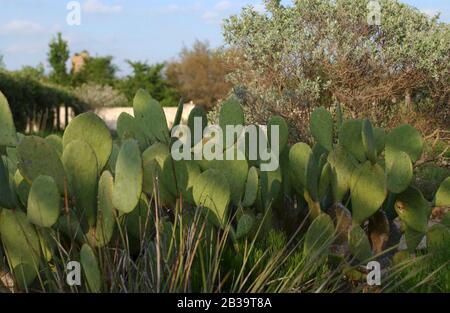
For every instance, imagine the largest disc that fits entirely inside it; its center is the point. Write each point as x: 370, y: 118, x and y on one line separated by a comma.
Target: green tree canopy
x: 57, y: 57
x: 151, y: 78
x: 96, y: 70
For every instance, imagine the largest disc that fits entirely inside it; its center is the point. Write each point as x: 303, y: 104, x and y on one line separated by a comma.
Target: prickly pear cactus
x: 368, y: 191
x: 322, y: 128
x: 43, y: 202
x: 91, y: 269
x: 91, y: 129
x: 21, y: 244
x: 80, y: 163
x: 37, y: 157
x: 8, y: 135
x: 211, y: 191
x: 150, y: 117
x: 129, y: 176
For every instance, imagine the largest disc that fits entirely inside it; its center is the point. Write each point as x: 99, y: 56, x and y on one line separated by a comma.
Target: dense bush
x: 34, y: 102
x: 316, y: 52
x: 100, y: 96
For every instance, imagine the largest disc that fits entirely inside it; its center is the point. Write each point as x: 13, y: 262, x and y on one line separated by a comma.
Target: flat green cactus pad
x: 359, y: 244
x: 43, y: 202
x: 400, y: 173
x: 368, y: 191
x: 350, y: 137
x: 413, y: 209
x: 211, y: 191
x: 80, y: 162
x: 21, y: 244
x: 129, y: 177
x: 37, y: 157
x: 91, y: 129
x: 403, y: 138
x: 322, y: 127
x: 8, y: 135
x: 104, y: 226
x: 319, y: 236
x: 251, y: 187
x: 151, y: 118
x: 442, y: 197
x: 91, y: 269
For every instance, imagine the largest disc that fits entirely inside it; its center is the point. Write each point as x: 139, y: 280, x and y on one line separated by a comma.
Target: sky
x: 145, y: 30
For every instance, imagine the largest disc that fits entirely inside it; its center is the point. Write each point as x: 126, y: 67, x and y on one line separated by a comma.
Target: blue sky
x: 152, y: 30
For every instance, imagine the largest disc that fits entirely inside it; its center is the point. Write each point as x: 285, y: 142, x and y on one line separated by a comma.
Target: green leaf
x: 298, y: 160
x: 413, y: 238
x: 438, y: 238
x: 7, y: 199
x: 37, y: 157
x: 8, y: 136
x: 442, y: 197
x: 283, y: 131
x: 350, y: 137
x: 151, y: 118
x: 251, y: 187
x: 129, y: 176
x: 368, y: 139
x: 80, y: 163
x: 198, y: 112
x: 43, y: 202
x: 245, y: 225
x: 322, y: 127
x: 211, y: 191
x: 104, y: 226
x: 403, y: 138
x: 90, y: 128
x: 359, y: 244
x: 128, y: 127
x: 342, y: 168
x: 91, y: 269
x: 319, y: 236
x: 231, y: 114
x: 21, y: 244
x: 368, y: 191
x: 413, y: 209
x: 400, y: 174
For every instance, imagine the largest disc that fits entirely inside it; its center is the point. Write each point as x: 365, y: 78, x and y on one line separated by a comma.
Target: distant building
x: 78, y: 61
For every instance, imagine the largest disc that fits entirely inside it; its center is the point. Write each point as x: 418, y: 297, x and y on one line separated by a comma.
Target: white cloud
x: 171, y: 8
x: 217, y: 11
x: 25, y: 48
x: 210, y: 15
x: 223, y: 6
x: 20, y: 27
x: 97, y: 6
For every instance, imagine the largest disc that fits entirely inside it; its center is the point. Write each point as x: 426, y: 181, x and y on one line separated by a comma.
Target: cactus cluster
x: 86, y: 185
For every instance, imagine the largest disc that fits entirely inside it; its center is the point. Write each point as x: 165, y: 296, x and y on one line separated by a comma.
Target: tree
x: 57, y: 57
x: 199, y: 74
x: 37, y: 73
x: 96, y: 70
x: 2, y: 63
x: 316, y: 52
x: 151, y: 78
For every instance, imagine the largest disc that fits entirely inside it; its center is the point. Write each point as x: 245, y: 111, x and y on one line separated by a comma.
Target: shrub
x: 99, y: 96
x: 34, y: 102
x: 316, y: 52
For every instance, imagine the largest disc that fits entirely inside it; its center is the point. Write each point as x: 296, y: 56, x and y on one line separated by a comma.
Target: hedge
x: 36, y: 103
